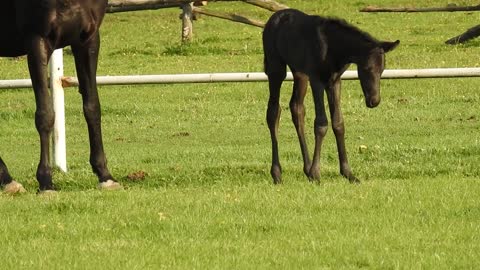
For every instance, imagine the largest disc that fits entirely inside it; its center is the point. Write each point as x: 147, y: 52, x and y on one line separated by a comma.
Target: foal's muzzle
x: 373, y: 101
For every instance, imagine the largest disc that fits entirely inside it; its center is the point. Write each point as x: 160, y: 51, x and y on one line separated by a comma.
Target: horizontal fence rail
x: 59, y: 153
x: 247, y: 77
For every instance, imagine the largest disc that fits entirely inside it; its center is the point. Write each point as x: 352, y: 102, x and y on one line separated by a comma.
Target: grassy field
x: 207, y: 201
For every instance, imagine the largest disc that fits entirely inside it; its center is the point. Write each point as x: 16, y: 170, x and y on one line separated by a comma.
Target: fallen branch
x: 267, y: 4
x: 231, y: 17
x: 450, y: 8
x: 156, y: 2
x: 136, y: 5
x: 127, y: 8
x: 469, y: 34
x: 115, y: 6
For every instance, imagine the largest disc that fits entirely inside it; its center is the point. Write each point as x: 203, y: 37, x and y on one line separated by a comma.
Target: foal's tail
x: 272, y: 59
x: 265, y: 64
x: 268, y: 38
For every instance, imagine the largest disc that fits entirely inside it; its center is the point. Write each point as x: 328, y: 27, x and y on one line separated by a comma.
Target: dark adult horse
x: 318, y: 50
x: 36, y: 28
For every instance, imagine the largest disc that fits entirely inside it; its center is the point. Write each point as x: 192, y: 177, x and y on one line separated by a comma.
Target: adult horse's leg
x: 39, y: 53
x: 334, y: 95
x: 275, y: 80
x: 86, y: 59
x: 6, y: 182
x: 5, y: 177
x: 320, y: 126
x: 300, y: 83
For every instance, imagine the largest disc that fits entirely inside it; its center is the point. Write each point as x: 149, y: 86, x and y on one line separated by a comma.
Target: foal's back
x: 62, y: 22
x: 291, y: 37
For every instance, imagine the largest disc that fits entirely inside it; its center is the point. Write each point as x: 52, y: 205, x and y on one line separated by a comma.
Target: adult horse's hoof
x: 14, y: 188
x: 110, y: 185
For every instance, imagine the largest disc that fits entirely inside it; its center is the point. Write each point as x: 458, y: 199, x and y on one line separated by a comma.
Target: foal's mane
x: 345, y: 27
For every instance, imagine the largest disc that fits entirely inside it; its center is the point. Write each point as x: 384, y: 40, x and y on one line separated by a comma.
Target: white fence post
x: 59, y: 139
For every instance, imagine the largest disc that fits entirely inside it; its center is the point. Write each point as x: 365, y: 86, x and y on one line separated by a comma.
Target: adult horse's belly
x: 11, y: 46
x: 11, y: 42
x: 61, y: 22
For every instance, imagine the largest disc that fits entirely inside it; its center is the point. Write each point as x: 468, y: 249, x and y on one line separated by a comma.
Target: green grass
x: 207, y: 201
x: 380, y: 224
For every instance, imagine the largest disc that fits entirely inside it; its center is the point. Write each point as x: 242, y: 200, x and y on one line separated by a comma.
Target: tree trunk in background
x: 187, y: 25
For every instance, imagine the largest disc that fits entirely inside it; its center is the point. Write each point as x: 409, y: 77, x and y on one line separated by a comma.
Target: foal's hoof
x: 47, y: 193
x: 314, y: 175
x: 352, y: 179
x: 14, y: 188
x: 110, y: 185
x: 355, y: 181
x: 276, y: 173
x: 347, y: 173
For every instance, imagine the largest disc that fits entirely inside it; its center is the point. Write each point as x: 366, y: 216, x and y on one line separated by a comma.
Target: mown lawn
x: 207, y: 200
x: 417, y: 223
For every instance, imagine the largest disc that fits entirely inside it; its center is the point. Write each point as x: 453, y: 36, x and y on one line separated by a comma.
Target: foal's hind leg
x: 320, y: 126
x: 86, y: 58
x: 334, y: 95
x: 39, y: 53
x: 297, y: 109
x: 273, y: 116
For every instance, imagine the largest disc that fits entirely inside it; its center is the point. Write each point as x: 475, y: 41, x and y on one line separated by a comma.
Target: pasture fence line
x: 58, y: 81
x: 69, y: 81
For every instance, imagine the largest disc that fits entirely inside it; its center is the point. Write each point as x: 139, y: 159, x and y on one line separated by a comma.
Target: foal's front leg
x: 334, y: 98
x: 320, y: 126
x: 86, y: 59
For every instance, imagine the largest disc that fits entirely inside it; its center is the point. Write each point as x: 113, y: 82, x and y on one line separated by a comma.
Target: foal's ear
x: 389, y: 46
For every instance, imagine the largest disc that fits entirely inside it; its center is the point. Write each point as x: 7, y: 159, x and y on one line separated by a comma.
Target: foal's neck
x: 347, y: 41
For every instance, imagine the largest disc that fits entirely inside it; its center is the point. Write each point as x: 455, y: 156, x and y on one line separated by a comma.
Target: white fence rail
x: 247, y: 77
x: 58, y: 81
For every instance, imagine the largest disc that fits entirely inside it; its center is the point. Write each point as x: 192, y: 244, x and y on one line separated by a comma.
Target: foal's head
x: 370, y: 67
